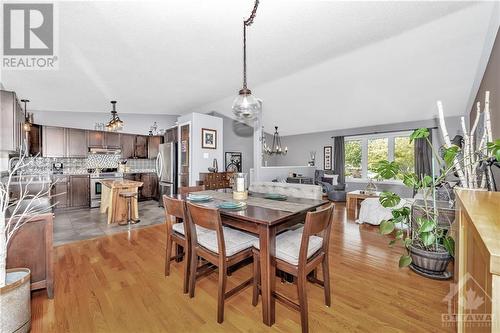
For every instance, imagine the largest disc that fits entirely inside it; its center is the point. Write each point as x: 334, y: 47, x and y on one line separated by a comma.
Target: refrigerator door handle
x: 158, y: 166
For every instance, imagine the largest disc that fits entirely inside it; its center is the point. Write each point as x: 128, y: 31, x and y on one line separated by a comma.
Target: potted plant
x: 426, y: 222
x: 15, y: 285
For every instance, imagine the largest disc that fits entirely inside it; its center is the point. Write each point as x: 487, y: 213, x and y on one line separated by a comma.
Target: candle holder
x: 240, y: 186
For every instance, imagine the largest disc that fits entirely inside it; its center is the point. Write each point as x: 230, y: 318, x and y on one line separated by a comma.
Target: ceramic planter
x: 15, y: 301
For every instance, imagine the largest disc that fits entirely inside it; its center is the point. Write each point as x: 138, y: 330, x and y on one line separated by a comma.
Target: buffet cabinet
x: 216, y: 180
x: 477, y: 263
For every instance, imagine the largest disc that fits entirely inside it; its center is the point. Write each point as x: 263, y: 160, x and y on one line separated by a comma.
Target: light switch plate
x: 205, y: 156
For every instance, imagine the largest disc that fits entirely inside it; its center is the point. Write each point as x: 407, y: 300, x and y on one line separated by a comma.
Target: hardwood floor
x: 117, y: 284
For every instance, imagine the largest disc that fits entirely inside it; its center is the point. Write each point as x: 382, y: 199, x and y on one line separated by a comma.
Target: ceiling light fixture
x: 246, y: 106
x: 276, y: 148
x: 115, y: 124
x: 27, y: 124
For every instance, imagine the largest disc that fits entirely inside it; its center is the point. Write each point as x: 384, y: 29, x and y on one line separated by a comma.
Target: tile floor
x: 75, y: 225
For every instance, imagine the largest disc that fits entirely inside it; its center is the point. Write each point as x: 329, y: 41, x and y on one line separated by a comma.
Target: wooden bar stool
x: 129, y: 195
x: 299, y: 252
x: 220, y: 246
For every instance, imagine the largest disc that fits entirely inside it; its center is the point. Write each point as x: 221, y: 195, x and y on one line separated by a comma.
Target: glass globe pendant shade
x: 246, y: 106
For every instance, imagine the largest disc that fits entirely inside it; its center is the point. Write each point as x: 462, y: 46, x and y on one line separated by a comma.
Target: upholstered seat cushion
x: 179, y: 228
x: 288, y: 245
x: 235, y: 240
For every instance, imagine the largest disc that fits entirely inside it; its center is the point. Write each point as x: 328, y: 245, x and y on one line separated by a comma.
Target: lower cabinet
x: 79, y: 191
x: 59, y: 192
x: 149, y: 189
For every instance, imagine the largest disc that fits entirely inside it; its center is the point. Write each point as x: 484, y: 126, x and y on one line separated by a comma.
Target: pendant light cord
x: 246, y: 23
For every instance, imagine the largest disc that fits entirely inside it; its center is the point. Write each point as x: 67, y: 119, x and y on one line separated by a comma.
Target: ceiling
x: 317, y: 65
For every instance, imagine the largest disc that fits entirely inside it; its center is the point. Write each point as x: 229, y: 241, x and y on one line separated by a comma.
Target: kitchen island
x: 114, y: 204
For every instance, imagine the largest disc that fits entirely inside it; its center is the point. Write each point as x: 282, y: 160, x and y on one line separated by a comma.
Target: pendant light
x: 115, y: 124
x: 27, y: 124
x: 246, y: 106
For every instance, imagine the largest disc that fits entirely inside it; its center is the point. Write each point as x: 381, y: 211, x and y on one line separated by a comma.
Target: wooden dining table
x: 263, y: 218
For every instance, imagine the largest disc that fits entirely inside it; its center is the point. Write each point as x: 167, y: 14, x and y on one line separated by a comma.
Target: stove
x: 96, y: 179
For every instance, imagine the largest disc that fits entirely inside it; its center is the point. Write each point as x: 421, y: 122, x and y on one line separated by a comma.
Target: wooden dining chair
x: 220, y: 246
x: 299, y: 252
x: 189, y: 189
x: 178, y: 231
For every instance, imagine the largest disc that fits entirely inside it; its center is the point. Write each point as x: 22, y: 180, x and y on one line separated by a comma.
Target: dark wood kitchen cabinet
x: 59, y: 192
x: 76, y: 142
x: 96, y: 139
x: 11, y: 121
x: 53, y: 141
x: 141, y: 146
x: 149, y: 189
x: 79, y: 191
x: 128, y: 145
x: 35, y: 140
x: 153, y: 146
x: 112, y: 140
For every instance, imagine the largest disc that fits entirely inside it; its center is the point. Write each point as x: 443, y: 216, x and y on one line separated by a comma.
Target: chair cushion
x: 235, y: 240
x: 179, y: 228
x: 288, y: 245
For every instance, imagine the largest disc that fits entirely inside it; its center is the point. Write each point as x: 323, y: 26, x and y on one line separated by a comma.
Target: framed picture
x: 327, y: 157
x: 208, y: 138
x: 232, y: 161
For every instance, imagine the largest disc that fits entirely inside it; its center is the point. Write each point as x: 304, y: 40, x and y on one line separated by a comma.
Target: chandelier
x: 246, y: 106
x: 115, y: 124
x: 276, y: 148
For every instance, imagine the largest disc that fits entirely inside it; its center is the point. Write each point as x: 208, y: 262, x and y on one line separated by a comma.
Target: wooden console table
x: 477, y: 262
x: 353, y: 199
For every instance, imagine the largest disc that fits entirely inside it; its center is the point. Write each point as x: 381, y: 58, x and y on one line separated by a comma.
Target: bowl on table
x: 275, y: 196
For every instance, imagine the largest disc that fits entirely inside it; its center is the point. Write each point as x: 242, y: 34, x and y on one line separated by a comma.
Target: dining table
x: 264, y: 218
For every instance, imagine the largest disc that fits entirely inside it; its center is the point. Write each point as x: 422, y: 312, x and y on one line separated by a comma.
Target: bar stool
x: 128, y: 197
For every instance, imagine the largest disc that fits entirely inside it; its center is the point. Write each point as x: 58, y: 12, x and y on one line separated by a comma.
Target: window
x: 363, y: 152
x: 353, y: 159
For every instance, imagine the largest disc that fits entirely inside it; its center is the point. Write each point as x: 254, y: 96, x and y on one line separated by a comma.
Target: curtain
x: 339, y: 158
x: 423, y: 157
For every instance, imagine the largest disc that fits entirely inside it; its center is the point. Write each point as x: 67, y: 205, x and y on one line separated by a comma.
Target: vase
x: 15, y: 301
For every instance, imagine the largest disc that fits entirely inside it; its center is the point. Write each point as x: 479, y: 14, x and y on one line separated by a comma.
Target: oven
x: 96, y: 186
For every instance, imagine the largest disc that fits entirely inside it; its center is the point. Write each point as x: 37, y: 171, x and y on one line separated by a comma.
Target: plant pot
x: 430, y: 264
x: 15, y: 301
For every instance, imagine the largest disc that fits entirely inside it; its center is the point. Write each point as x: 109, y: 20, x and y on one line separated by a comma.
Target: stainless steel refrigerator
x: 166, y: 169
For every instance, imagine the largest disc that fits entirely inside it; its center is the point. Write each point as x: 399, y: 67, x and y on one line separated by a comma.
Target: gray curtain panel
x: 339, y: 158
x: 423, y: 157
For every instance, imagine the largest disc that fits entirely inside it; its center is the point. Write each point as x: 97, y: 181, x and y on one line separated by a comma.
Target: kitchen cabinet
x: 53, y: 141
x: 111, y: 140
x: 59, y: 192
x: 127, y: 145
x: 149, y: 189
x: 153, y: 146
x: 79, y: 191
x: 76, y: 142
x: 35, y: 140
x: 11, y: 122
x: 171, y: 135
x: 141, y: 146
x: 96, y: 139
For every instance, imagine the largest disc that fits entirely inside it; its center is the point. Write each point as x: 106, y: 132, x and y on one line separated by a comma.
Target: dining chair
x: 299, y: 253
x: 177, y: 232
x: 189, y: 189
x: 221, y: 246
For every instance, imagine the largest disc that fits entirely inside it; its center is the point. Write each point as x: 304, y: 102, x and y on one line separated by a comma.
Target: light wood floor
x: 116, y: 284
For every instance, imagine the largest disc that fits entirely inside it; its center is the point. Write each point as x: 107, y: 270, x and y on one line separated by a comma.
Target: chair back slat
x: 208, y: 218
x: 317, y: 223
x: 189, y: 189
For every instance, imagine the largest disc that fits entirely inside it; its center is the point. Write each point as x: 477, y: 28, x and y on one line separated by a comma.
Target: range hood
x: 105, y: 151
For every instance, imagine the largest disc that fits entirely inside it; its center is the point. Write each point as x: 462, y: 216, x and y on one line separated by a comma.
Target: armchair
x: 334, y: 190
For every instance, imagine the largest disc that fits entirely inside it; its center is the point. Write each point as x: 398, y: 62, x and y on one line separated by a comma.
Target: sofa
x: 289, y: 189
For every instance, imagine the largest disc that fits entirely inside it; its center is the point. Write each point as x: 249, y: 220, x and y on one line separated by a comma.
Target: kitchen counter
x: 114, y: 204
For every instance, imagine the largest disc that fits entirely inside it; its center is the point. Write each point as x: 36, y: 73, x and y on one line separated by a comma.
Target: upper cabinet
x: 96, y: 139
x: 11, y: 122
x: 153, y: 146
x: 141, y: 146
x: 53, y: 141
x: 99, y: 139
x: 128, y: 145
x: 112, y: 140
x: 76, y: 142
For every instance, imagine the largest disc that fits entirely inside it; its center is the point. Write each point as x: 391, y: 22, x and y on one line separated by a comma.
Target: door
x: 77, y: 142
x: 112, y: 140
x: 127, y: 145
x: 79, y: 191
x: 96, y: 139
x: 153, y: 145
x: 53, y: 141
x: 141, y: 146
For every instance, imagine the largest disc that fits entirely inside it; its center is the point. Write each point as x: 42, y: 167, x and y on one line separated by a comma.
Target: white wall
x: 134, y: 123
x: 268, y: 174
x: 201, y: 159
